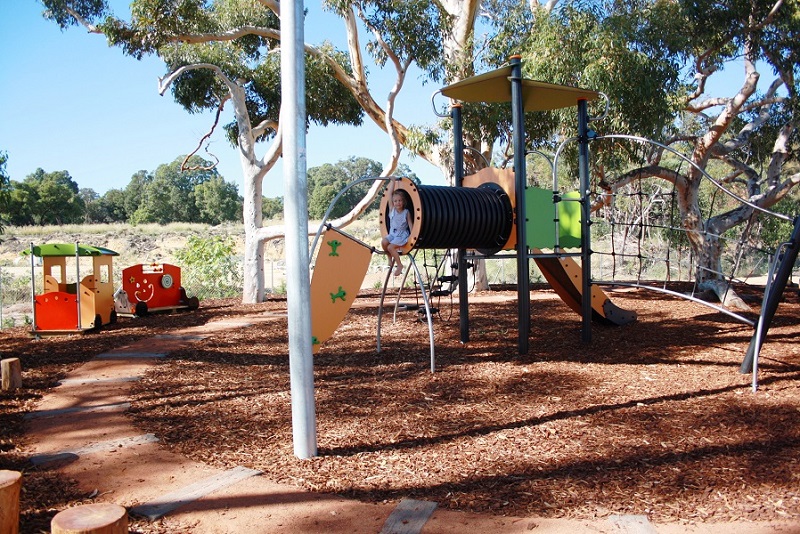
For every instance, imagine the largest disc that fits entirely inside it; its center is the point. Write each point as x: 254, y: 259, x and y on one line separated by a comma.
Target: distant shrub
x: 209, y: 267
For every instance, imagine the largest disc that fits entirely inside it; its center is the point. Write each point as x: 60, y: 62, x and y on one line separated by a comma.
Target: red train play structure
x: 89, y: 302
x: 152, y: 287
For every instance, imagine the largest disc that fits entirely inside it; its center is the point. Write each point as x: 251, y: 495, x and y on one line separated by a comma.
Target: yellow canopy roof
x: 494, y: 86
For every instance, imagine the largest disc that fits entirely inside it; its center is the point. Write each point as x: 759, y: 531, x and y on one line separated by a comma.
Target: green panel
x: 569, y: 221
x: 540, y: 213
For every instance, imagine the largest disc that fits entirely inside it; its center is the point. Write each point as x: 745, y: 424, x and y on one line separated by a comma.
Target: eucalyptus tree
x: 217, y: 201
x: 215, y: 53
x: 113, y: 202
x: 222, y: 51
x: 170, y: 195
x: 45, y: 198
x: 656, y: 61
x: 326, y: 181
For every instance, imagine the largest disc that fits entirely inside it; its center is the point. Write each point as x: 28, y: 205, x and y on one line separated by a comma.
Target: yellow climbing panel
x: 339, y: 272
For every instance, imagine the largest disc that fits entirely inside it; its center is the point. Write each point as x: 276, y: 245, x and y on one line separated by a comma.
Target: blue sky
x: 70, y: 102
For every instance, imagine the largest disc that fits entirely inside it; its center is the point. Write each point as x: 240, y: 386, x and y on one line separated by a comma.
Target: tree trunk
x: 253, y: 289
x: 481, y: 276
x: 10, y: 485
x: 11, y: 372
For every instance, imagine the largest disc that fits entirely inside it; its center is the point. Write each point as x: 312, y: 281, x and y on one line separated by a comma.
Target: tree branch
x: 91, y: 28
x: 184, y: 166
x: 272, y: 5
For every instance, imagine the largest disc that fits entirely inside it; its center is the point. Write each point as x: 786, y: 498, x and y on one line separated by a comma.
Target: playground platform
x: 81, y: 431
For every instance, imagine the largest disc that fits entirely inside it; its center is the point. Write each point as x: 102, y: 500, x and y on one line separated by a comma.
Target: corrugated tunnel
x: 480, y: 218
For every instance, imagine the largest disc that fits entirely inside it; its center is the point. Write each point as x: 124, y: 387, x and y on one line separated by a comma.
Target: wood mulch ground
x: 651, y: 418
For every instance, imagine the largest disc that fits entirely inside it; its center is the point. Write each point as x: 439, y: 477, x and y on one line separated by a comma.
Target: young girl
x: 399, y: 227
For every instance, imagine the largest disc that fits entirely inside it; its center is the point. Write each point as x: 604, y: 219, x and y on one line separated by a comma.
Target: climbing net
x: 637, y: 232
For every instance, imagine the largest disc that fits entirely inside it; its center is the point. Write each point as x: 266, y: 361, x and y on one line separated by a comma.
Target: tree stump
x: 10, y: 484
x: 11, y: 372
x: 100, y: 518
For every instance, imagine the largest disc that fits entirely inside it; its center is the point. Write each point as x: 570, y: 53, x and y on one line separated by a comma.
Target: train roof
x: 68, y: 249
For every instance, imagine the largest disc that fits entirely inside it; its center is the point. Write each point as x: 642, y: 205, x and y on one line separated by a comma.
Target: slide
x: 564, y: 276
x: 340, y: 269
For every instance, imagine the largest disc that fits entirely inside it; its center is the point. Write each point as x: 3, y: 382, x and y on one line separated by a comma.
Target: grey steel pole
x: 458, y: 175
x: 298, y: 284
x: 586, y: 245
x: 523, y: 277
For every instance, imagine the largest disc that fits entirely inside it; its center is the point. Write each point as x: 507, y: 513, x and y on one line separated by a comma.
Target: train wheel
x: 141, y: 309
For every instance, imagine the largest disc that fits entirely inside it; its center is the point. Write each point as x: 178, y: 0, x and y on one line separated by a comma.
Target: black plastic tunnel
x: 479, y: 218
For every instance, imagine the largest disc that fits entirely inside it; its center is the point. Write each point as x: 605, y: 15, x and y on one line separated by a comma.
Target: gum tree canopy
x: 657, y: 61
x: 220, y: 51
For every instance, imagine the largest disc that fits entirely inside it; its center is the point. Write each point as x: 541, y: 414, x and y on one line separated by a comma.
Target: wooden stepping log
x: 104, y: 446
x: 130, y: 355
x: 97, y: 518
x: 408, y: 517
x: 85, y: 381
x: 162, y: 506
x: 122, y: 406
x: 10, y: 485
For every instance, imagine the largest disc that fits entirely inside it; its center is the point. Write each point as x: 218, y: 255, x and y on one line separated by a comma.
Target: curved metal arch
x: 486, y: 161
x: 528, y: 153
x: 605, y: 113
x: 336, y: 199
x: 726, y: 311
x: 435, y: 111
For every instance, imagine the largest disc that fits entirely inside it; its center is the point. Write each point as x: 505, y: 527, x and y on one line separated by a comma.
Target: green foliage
x: 132, y: 194
x: 209, y: 267
x: 326, y: 181
x: 113, y: 206
x: 774, y: 231
x: 45, y: 198
x: 198, y: 194
x: 217, y: 201
x: 272, y: 208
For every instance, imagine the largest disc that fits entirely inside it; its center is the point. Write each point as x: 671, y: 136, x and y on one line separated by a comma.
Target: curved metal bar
x: 540, y: 153
x: 605, y: 113
x: 529, y: 152
x: 435, y: 112
x: 555, y: 159
x: 380, y: 306
x: 425, y: 300
x: 726, y: 311
x: 702, y: 171
x: 486, y: 161
x: 336, y: 199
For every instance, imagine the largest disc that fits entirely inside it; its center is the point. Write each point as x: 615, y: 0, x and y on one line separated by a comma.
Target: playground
x: 651, y: 418
x: 582, y: 399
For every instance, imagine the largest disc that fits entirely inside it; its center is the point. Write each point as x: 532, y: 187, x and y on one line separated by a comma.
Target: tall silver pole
x: 298, y: 284
x: 33, y: 290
